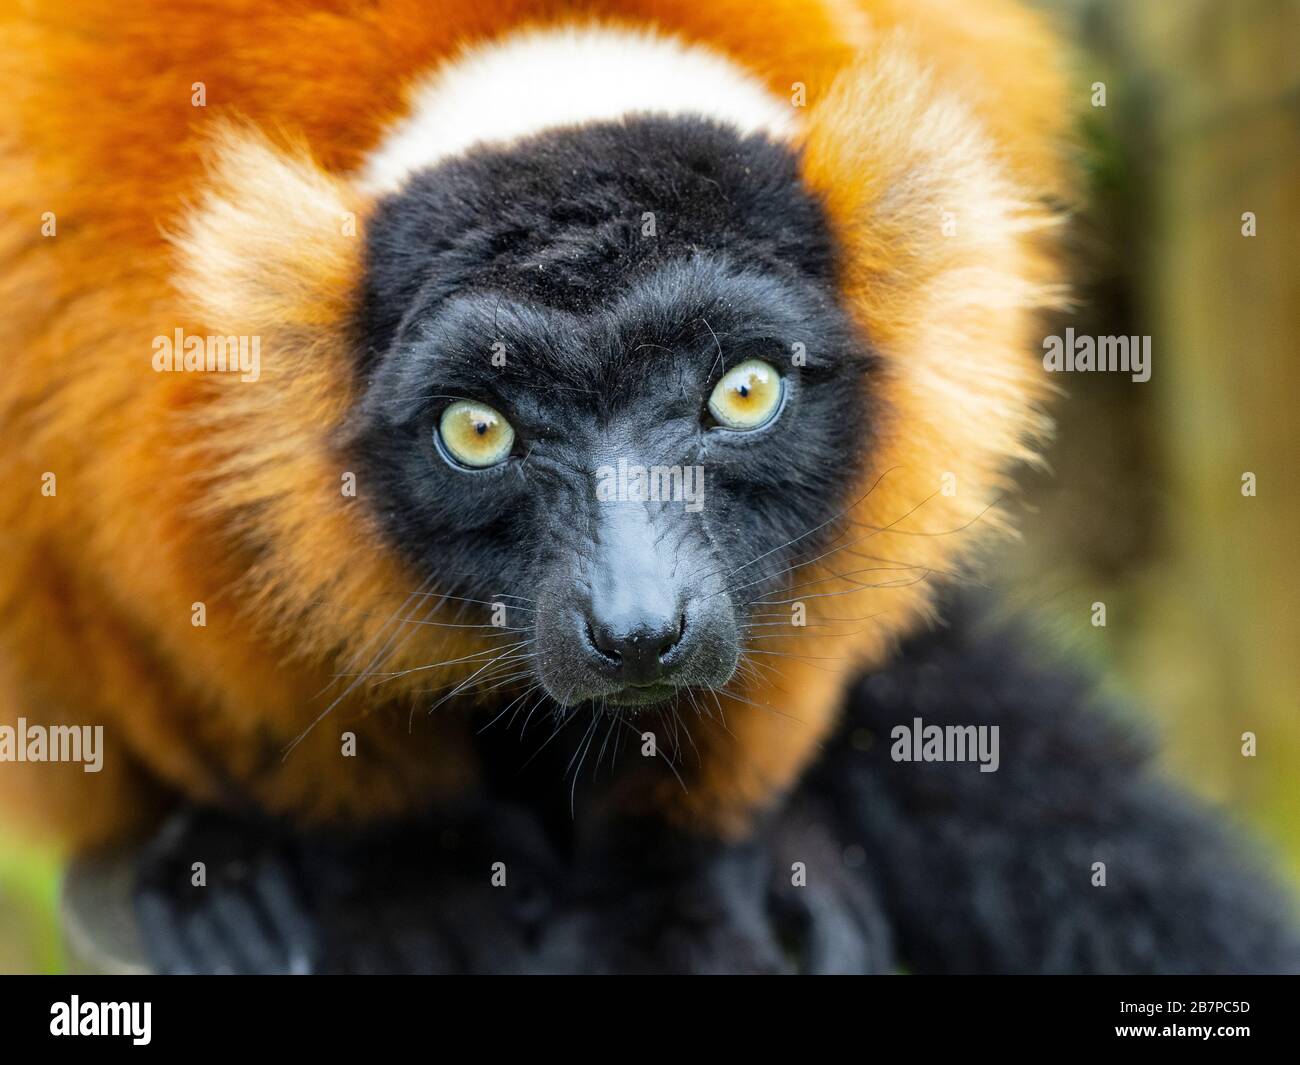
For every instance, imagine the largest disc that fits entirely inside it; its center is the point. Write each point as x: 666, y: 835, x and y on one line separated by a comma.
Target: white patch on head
x: 546, y: 78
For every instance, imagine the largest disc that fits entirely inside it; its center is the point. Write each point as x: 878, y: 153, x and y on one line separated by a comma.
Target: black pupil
x: 480, y: 428
x: 744, y: 391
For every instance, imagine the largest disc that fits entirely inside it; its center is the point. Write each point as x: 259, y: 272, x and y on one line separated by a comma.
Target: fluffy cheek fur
x: 273, y: 250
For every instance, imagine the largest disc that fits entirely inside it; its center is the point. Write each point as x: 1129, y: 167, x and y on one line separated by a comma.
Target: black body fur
x: 992, y: 872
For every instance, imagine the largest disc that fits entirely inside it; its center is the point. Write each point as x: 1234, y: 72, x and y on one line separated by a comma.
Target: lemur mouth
x: 638, y: 695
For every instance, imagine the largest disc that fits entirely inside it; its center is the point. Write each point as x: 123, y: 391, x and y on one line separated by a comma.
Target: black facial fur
x: 609, y: 339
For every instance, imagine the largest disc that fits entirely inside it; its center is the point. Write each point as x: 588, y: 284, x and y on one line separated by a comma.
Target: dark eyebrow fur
x: 705, y: 309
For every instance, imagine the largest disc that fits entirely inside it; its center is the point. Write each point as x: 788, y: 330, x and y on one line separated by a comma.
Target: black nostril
x: 605, y: 644
x: 672, y: 637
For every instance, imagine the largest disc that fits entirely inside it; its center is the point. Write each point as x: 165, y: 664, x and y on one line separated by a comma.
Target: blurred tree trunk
x: 1226, y: 315
x: 1203, y: 109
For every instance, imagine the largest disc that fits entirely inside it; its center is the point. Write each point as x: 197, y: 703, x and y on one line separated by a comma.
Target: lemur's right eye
x: 475, y: 435
x: 748, y: 397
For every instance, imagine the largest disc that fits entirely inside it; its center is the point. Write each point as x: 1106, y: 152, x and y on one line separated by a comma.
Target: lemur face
x: 610, y: 386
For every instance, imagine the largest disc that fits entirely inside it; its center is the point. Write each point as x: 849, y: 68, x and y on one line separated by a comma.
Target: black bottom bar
x: 339, y: 1014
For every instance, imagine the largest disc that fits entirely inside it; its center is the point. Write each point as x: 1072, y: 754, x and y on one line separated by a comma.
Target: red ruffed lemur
x: 492, y: 470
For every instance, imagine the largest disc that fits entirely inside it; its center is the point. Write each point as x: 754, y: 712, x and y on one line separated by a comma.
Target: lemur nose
x: 637, y: 647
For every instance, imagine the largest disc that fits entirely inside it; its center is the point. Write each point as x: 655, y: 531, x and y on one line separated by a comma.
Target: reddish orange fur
x: 176, y: 489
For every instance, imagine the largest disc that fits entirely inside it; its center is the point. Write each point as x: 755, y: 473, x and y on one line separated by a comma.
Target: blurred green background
x: 1142, y: 508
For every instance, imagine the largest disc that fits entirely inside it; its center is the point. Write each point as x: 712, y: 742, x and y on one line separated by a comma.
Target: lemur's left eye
x: 748, y: 396
x: 475, y: 435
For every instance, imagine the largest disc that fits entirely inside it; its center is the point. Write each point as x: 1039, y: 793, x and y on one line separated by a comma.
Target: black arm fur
x: 991, y: 872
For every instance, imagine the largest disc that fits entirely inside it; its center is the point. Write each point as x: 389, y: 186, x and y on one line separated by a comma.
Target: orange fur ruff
x: 237, y: 218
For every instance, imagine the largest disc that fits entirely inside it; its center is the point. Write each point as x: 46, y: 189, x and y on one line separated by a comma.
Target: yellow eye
x: 475, y: 434
x: 748, y: 396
